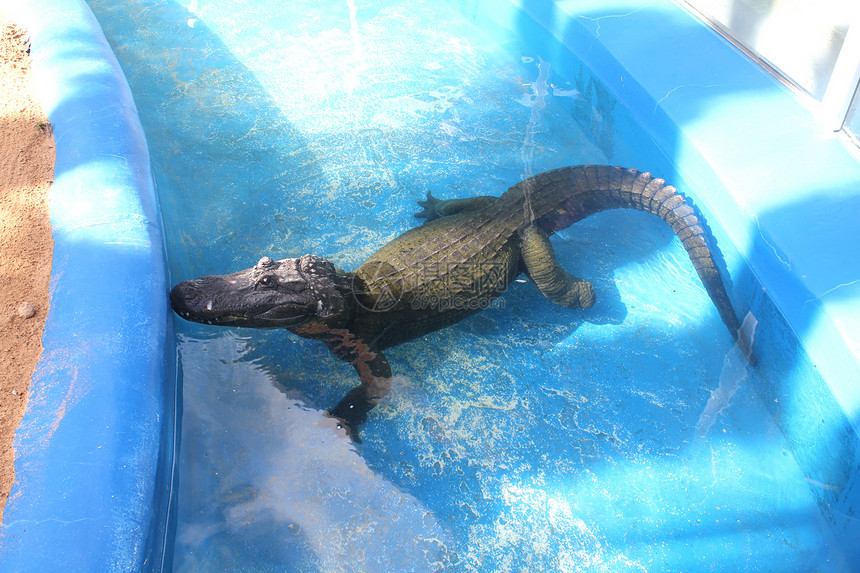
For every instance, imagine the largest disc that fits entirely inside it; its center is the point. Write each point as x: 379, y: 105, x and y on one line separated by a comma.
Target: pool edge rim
x: 87, y: 491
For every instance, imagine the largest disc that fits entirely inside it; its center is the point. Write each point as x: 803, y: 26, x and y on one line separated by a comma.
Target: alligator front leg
x: 554, y: 282
x: 375, y: 374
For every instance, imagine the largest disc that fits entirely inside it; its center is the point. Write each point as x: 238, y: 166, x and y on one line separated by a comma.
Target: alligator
x: 456, y: 263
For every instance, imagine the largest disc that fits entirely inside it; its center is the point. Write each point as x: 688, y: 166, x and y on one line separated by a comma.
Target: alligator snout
x: 185, y: 297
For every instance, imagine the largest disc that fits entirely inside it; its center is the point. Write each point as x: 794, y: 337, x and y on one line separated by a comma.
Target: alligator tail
x: 564, y: 196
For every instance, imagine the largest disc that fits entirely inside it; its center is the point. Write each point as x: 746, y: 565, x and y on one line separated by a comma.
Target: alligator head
x: 271, y: 294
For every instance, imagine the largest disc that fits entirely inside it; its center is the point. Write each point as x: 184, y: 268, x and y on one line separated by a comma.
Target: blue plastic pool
x: 526, y: 438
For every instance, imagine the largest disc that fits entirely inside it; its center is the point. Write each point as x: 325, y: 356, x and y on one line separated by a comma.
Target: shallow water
x: 529, y: 437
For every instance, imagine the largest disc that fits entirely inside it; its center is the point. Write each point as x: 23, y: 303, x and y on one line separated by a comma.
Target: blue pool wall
x: 93, y: 450
x: 94, y: 465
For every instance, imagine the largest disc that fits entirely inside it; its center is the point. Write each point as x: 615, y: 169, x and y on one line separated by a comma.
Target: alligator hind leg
x: 554, y: 282
x: 437, y: 208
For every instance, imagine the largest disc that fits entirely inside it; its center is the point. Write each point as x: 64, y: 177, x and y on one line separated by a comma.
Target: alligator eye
x: 267, y: 281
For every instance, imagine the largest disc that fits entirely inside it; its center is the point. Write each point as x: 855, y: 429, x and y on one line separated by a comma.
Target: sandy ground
x: 26, y: 171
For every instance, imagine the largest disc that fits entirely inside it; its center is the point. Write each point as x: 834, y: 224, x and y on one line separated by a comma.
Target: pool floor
x: 528, y: 437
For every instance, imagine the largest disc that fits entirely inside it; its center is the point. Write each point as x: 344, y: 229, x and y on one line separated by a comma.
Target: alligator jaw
x: 189, y: 301
x: 223, y: 320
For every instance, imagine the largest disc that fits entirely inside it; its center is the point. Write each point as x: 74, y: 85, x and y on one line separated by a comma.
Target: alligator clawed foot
x: 429, y: 208
x: 580, y: 295
x: 351, y: 412
x: 350, y: 429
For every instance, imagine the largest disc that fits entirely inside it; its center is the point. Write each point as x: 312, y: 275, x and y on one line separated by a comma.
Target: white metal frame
x: 844, y: 80
x: 832, y: 110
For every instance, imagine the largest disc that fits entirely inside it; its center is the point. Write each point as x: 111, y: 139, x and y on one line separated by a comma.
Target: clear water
x: 526, y: 438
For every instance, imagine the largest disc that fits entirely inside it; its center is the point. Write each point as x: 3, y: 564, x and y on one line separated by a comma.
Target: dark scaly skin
x: 463, y: 257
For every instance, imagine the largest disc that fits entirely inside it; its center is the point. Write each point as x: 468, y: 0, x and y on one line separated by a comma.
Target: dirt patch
x: 26, y: 172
